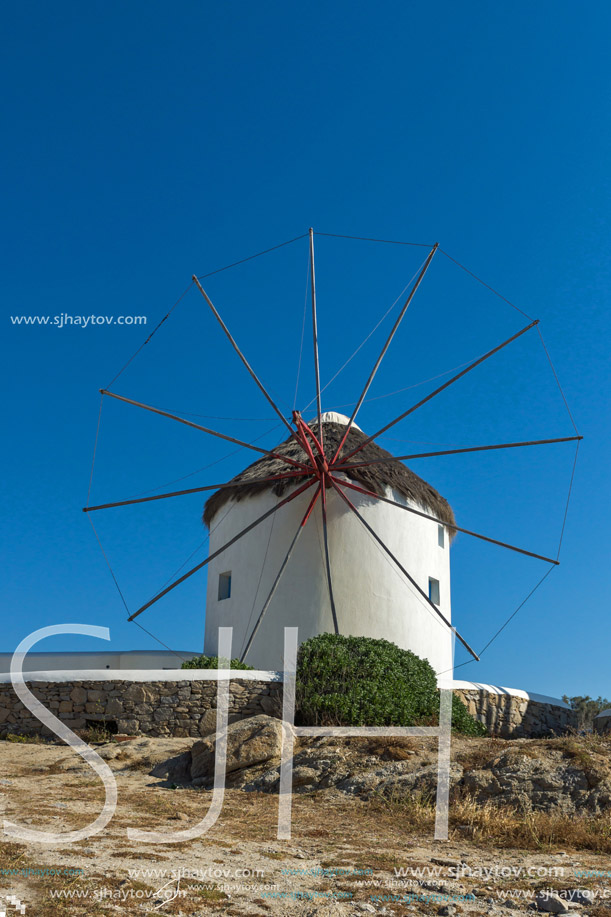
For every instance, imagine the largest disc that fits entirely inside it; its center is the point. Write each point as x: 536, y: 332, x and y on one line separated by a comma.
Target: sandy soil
x: 345, y: 856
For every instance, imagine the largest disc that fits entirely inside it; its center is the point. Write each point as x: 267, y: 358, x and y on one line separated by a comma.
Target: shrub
x: 23, y: 738
x: 462, y: 721
x: 359, y: 681
x: 212, y: 662
x: 97, y: 734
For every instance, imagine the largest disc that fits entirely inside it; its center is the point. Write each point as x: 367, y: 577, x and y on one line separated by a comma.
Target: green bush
x: 462, y: 721
x: 212, y: 662
x: 359, y: 681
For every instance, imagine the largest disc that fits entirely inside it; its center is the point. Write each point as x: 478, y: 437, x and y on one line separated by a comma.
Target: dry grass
x: 95, y: 735
x: 396, y: 819
x: 391, y: 748
x: 89, y: 902
x: 493, y: 826
x: 328, y: 827
x: 11, y: 854
x: 482, y: 754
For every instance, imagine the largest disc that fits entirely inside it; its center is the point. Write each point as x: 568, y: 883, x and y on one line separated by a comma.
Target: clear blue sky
x: 148, y: 141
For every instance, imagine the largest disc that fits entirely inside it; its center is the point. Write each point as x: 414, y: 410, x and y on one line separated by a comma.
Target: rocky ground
x: 530, y: 827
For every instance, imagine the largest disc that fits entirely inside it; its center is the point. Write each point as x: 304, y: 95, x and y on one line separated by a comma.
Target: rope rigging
x: 545, y: 575
x: 307, y: 470
x: 362, y: 344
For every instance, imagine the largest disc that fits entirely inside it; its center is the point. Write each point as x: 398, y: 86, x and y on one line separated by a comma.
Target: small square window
x: 225, y: 585
x: 434, y: 590
x: 441, y: 536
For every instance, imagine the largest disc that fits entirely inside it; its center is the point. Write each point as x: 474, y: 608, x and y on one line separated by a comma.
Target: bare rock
x: 578, y: 896
x: 422, y: 781
x: 207, y: 723
x: 305, y: 776
x: 249, y: 742
x: 546, y: 783
x: 551, y: 903
x: 272, y: 705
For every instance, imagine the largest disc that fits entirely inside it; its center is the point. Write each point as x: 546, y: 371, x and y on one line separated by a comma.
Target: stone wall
x: 516, y: 715
x: 186, y: 706
x: 602, y: 722
x: 154, y: 708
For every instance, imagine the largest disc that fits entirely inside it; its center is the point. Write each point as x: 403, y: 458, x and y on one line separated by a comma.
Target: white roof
x: 334, y: 417
x: 495, y: 689
x: 145, y: 675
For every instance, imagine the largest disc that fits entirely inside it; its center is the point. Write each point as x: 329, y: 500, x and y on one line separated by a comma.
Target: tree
x: 587, y: 708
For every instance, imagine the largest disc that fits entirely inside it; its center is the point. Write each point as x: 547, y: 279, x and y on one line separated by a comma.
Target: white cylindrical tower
x: 372, y: 597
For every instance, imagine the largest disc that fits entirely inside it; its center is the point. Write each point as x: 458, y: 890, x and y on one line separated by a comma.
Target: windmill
x: 335, y: 498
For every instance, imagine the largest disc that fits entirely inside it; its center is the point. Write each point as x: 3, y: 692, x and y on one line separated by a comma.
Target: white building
x: 372, y: 597
x: 128, y: 660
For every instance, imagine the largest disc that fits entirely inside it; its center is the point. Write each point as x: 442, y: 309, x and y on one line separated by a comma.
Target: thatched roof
x: 373, y: 477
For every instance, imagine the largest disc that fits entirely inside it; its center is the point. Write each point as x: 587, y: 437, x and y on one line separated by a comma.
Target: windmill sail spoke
x: 241, y: 356
x: 307, y: 431
x: 315, y: 333
x: 327, y: 558
x: 197, y: 426
x: 441, y: 388
x: 301, y: 435
x: 283, y: 566
x: 416, y: 455
x: 453, y: 527
x: 196, y: 490
x: 210, y: 557
x: 385, y: 348
x: 400, y: 566
x: 314, y: 458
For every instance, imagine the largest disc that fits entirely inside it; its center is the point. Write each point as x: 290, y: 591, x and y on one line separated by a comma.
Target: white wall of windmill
x: 372, y: 596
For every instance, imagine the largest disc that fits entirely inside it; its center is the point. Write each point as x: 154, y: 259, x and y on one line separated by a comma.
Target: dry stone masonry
x: 515, y: 715
x: 186, y: 706
x: 156, y: 708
